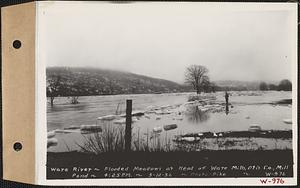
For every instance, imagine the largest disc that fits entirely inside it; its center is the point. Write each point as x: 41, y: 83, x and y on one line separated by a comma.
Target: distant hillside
x: 94, y: 81
x: 253, y: 85
x: 238, y: 85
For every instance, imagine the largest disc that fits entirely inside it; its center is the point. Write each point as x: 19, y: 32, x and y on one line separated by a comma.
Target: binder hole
x: 17, y: 146
x: 17, y: 44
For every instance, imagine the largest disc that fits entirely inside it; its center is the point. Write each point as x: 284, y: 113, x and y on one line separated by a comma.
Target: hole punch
x: 17, y: 44
x: 17, y: 146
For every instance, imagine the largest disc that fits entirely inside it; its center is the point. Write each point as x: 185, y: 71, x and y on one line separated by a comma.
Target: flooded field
x: 246, y: 109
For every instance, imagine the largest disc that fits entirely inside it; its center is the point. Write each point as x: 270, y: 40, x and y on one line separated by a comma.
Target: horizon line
x: 124, y: 71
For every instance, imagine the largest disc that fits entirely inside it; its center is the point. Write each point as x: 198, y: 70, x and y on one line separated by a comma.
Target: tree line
x: 284, y: 85
x: 197, y: 77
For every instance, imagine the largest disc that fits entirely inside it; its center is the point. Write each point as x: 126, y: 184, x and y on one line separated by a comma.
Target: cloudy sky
x: 235, y: 42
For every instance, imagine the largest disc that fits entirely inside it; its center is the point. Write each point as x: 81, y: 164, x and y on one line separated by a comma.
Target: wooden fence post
x: 128, y: 125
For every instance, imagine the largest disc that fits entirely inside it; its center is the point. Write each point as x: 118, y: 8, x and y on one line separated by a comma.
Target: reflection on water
x: 227, y: 109
x: 195, y: 115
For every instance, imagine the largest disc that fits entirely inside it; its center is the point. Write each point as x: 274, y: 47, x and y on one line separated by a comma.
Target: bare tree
x: 53, y: 88
x: 196, y: 75
x: 74, y: 91
x: 205, y: 84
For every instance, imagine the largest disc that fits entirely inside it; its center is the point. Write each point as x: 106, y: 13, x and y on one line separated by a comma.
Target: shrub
x: 111, y: 139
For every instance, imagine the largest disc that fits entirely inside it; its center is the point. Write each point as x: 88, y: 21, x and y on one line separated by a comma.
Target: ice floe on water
x: 63, y: 131
x: 170, y: 127
x: 157, y: 129
x: 51, y: 134
x: 91, y: 128
x: 52, y: 142
x: 72, y: 127
x: 108, y: 117
x: 158, y: 117
x: 287, y: 121
x: 123, y: 120
x: 254, y: 127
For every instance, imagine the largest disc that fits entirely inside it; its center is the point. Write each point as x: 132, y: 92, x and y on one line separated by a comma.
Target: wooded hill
x: 65, y: 81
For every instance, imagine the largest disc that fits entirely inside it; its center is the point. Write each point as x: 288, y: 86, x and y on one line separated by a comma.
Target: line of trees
x: 197, y: 77
x: 284, y: 85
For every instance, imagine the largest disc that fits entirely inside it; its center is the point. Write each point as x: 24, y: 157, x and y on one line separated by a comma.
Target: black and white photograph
x: 169, y: 90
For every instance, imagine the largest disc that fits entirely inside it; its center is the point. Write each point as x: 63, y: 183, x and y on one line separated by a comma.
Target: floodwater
x: 247, y: 108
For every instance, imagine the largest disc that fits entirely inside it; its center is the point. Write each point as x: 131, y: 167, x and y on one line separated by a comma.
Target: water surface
x: 246, y: 109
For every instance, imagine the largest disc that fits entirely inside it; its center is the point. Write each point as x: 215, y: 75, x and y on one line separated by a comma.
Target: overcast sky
x: 161, y: 39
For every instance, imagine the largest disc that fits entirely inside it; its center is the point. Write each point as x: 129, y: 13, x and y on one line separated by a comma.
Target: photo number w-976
x: 272, y: 181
